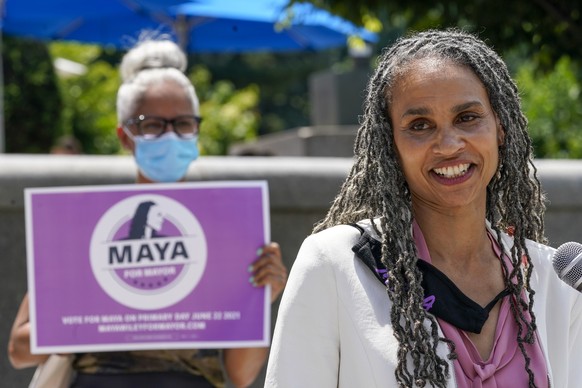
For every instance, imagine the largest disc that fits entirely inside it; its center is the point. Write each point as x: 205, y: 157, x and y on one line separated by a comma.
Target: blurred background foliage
x: 229, y: 114
x: 247, y: 95
x: 551, y: 101
x: 242, y: 95
x: 88, y: 112
x: 32, y: 102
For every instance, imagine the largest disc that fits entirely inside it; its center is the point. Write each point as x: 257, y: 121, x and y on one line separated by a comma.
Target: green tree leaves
x: 229, y: 115
x: 551, y: 101
x: 89, y: 99
x: 32, y: 102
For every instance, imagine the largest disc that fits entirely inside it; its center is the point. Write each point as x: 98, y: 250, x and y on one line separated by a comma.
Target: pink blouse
x: 505, y: 366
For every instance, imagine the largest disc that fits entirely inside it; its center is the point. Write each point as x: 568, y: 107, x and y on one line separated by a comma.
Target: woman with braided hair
x: 429, y: 269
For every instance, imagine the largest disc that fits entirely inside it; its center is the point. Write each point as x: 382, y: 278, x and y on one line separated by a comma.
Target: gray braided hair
x: 376, y: 188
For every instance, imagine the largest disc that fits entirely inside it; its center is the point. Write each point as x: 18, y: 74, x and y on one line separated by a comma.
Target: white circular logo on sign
x: 148, y: 252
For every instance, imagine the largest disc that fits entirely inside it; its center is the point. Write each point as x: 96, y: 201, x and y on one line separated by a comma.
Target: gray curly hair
x: 376, y: 188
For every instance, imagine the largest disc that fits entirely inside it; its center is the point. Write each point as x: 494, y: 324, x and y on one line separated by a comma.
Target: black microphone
x: 567, y: 263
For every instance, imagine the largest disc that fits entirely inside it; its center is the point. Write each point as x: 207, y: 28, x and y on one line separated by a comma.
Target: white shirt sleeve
x: 305, y: 349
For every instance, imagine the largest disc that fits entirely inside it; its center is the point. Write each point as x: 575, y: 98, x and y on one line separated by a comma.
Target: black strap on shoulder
x: 369, y: 250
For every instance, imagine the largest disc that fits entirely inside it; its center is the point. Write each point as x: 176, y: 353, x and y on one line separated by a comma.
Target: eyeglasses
x: 151, y: 127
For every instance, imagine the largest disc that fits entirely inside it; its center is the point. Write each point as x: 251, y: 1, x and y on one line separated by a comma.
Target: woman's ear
x: 125, y: 141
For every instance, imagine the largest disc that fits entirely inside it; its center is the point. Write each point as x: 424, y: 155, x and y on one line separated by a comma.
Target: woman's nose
x: 449, y: 140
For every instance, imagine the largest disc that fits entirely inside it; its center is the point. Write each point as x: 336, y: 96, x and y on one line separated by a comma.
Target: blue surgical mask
x: 165, y: 158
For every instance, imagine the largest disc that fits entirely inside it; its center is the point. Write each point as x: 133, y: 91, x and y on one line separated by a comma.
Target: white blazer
x: 333, y: 327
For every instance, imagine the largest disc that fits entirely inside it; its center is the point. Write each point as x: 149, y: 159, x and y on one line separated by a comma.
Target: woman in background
x: 159, y: 116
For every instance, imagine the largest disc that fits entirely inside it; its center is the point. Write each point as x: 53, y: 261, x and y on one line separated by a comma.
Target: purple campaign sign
x: 161, y: 266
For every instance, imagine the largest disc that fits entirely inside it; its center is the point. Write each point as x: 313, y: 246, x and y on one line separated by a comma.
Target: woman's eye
x: 467, y: 117
x: 151, y: 126
x: 418, y: 126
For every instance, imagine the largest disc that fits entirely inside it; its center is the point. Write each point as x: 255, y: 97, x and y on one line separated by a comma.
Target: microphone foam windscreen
x: 568, y: 255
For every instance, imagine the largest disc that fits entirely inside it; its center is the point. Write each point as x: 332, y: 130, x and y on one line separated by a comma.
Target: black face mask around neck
x: 442, y: 297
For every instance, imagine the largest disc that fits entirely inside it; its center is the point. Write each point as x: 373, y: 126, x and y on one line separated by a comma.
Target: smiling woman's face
x: 446, y: 134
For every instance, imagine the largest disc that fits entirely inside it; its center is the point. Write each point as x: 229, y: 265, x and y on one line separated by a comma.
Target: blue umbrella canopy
x: 198, y: 25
